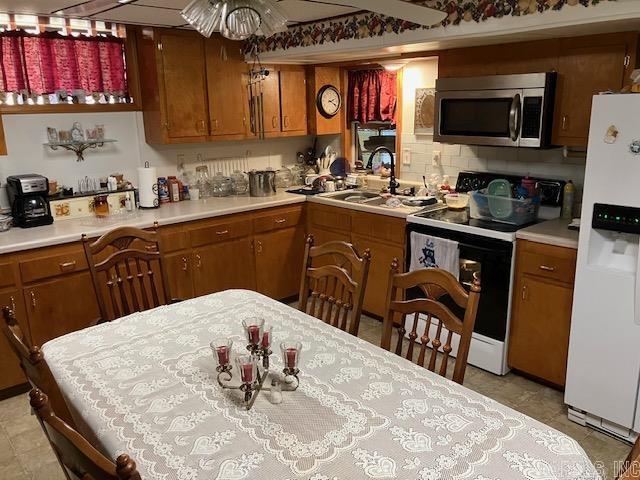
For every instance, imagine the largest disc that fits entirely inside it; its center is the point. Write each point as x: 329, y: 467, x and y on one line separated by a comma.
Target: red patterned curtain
x: 48, y: 62
x: 372, y: 96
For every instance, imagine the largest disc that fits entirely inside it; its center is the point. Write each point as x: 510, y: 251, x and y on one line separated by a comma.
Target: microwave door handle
x: 515, y: 117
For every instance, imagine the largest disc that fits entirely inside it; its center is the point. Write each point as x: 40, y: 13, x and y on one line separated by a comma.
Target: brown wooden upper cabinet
x: 183, y: 70
x: 195, y: 90
x: 293, y: 107
x: 589, y: 65
x: 227, y: 90
x: 585, y: 66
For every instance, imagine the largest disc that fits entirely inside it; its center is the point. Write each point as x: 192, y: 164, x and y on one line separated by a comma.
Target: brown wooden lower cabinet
x: 279, y: 256
x: 179, y: 268
x: 383, y: 235
x: 10, y: 371
x: 382, y: 254
x: 222, y: 266
x: 59, y: 306
x: 541, y: 311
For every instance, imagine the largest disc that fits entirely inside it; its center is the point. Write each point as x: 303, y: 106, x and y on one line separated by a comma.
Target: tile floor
x: 26, y: 455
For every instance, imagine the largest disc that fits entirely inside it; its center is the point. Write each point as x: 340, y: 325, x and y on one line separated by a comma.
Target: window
x: 370, y: 136
x: 52, y: 60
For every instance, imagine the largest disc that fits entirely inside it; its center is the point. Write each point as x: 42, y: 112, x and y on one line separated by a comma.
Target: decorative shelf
x: 78, y: 147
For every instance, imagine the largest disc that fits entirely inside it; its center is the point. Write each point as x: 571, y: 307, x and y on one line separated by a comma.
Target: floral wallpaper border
x: 367, y: 25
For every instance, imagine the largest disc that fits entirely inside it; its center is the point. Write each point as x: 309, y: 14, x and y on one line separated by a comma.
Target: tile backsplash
x: 456, y: 158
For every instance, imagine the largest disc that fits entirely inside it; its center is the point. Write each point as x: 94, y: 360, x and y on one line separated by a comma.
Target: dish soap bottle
x: 568, y: 199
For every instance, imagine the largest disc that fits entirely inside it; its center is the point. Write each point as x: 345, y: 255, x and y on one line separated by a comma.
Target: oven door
x: 490, y: 260
x: 481, y: 117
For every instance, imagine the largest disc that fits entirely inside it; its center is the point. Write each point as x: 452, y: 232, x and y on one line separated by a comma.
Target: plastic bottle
x: 568, y: 199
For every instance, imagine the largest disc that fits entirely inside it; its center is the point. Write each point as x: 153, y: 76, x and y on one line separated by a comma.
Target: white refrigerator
x: 603, y: 373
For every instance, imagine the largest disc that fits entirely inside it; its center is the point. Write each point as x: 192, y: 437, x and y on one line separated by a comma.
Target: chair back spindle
x: 441, y: 324
x: 334, y: 278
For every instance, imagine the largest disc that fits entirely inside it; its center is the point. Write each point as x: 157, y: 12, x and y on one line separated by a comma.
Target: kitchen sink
x: 357, y: 197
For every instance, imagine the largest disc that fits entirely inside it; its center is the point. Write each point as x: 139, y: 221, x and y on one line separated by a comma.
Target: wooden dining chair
x: 125, y: 264
x: 434, y: 284
x: 334, y: 278
x: 78, y: 457
x: 33, y: 364
x: 630, y: 469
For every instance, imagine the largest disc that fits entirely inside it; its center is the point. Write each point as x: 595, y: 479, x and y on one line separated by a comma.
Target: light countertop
x: 327, y: 199
x: 551, y: 232
x: 65, y: 231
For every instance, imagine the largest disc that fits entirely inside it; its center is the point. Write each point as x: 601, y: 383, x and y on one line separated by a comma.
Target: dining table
x: 147, y: 385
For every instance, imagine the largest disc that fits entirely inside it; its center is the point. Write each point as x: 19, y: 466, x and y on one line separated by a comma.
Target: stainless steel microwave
x: 500, y: 110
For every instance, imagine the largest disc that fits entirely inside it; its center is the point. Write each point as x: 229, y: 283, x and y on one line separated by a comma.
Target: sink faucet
x: 393, y: 184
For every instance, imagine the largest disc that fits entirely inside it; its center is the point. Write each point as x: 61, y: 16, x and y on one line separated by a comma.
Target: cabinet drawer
x: 556, y: 263
x: 379, y: 227
x: 33, y: 269
x: 7, y: 277
x: 220, y: 232
x: 278, y: 220
x: 334, y: 218
x: 174, y: 240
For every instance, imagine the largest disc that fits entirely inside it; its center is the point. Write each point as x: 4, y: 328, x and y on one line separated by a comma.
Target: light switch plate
x: 406, y: 156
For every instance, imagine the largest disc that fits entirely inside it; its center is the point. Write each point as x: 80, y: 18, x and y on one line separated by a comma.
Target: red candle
x: 292, y: 356
x: 266, y: 339
x: 254, y: 334
x: 223, y: 355
x: 247, y: 373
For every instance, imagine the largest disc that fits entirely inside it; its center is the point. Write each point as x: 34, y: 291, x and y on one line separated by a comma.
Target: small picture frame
x: 52, y: 135
x: 77, y: 133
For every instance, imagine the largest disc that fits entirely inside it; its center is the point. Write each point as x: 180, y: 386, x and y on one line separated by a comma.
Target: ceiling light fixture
x: 235, y: 19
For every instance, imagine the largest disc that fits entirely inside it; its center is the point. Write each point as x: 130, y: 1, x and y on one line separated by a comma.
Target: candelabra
x: 252, y: 378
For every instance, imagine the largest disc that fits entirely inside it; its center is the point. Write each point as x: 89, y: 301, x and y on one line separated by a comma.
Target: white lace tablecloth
x: 146, y: 385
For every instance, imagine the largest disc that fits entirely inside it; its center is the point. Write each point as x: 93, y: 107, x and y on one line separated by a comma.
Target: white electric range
x: 487, y: 250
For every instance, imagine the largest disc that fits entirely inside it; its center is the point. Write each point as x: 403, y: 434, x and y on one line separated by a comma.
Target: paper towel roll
x: 148, y: 187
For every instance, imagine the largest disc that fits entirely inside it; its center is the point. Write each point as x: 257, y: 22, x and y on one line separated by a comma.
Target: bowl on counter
x: 456, y: 201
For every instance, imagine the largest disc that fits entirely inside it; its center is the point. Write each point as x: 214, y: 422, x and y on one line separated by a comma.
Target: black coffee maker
x: 29, y: 199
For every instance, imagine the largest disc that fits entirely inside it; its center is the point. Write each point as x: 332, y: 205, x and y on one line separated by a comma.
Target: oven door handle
x: 515, y: 117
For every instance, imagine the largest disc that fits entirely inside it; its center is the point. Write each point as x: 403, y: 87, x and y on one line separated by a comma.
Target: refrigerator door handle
x: 636, y: 293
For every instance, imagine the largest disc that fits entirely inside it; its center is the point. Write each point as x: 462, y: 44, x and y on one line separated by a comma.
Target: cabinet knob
x: 547, y: 268
x: 185, y: 264
x: 33, y: 299
x: 198, y: 261
x: 286, y: 121
x: 222, y: 232
x: 281, y: 220
x: 13, y: 304
x: 565, y: 120
x: 274, y: 121
x: 259, y: 246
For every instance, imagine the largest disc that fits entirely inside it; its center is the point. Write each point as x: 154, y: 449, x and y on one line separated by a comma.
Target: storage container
x: 503, y: 209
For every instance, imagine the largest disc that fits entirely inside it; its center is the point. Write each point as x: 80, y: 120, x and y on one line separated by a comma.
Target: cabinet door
x: 279, y: 257
x: 223, y: 266
x: 226, y: 81
x: 293, y: 94
x: 271, y: 104
x: 382, y: 254
x: 324, y: 235
x: 179, y: 268
x: 583, y: 72
x: 10, y: 371
x: 540, y: 324
x: 60, y: 306
x: 185, y: 87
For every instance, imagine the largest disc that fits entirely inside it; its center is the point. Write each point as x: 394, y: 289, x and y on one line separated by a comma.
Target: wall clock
x: 328, y: 101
